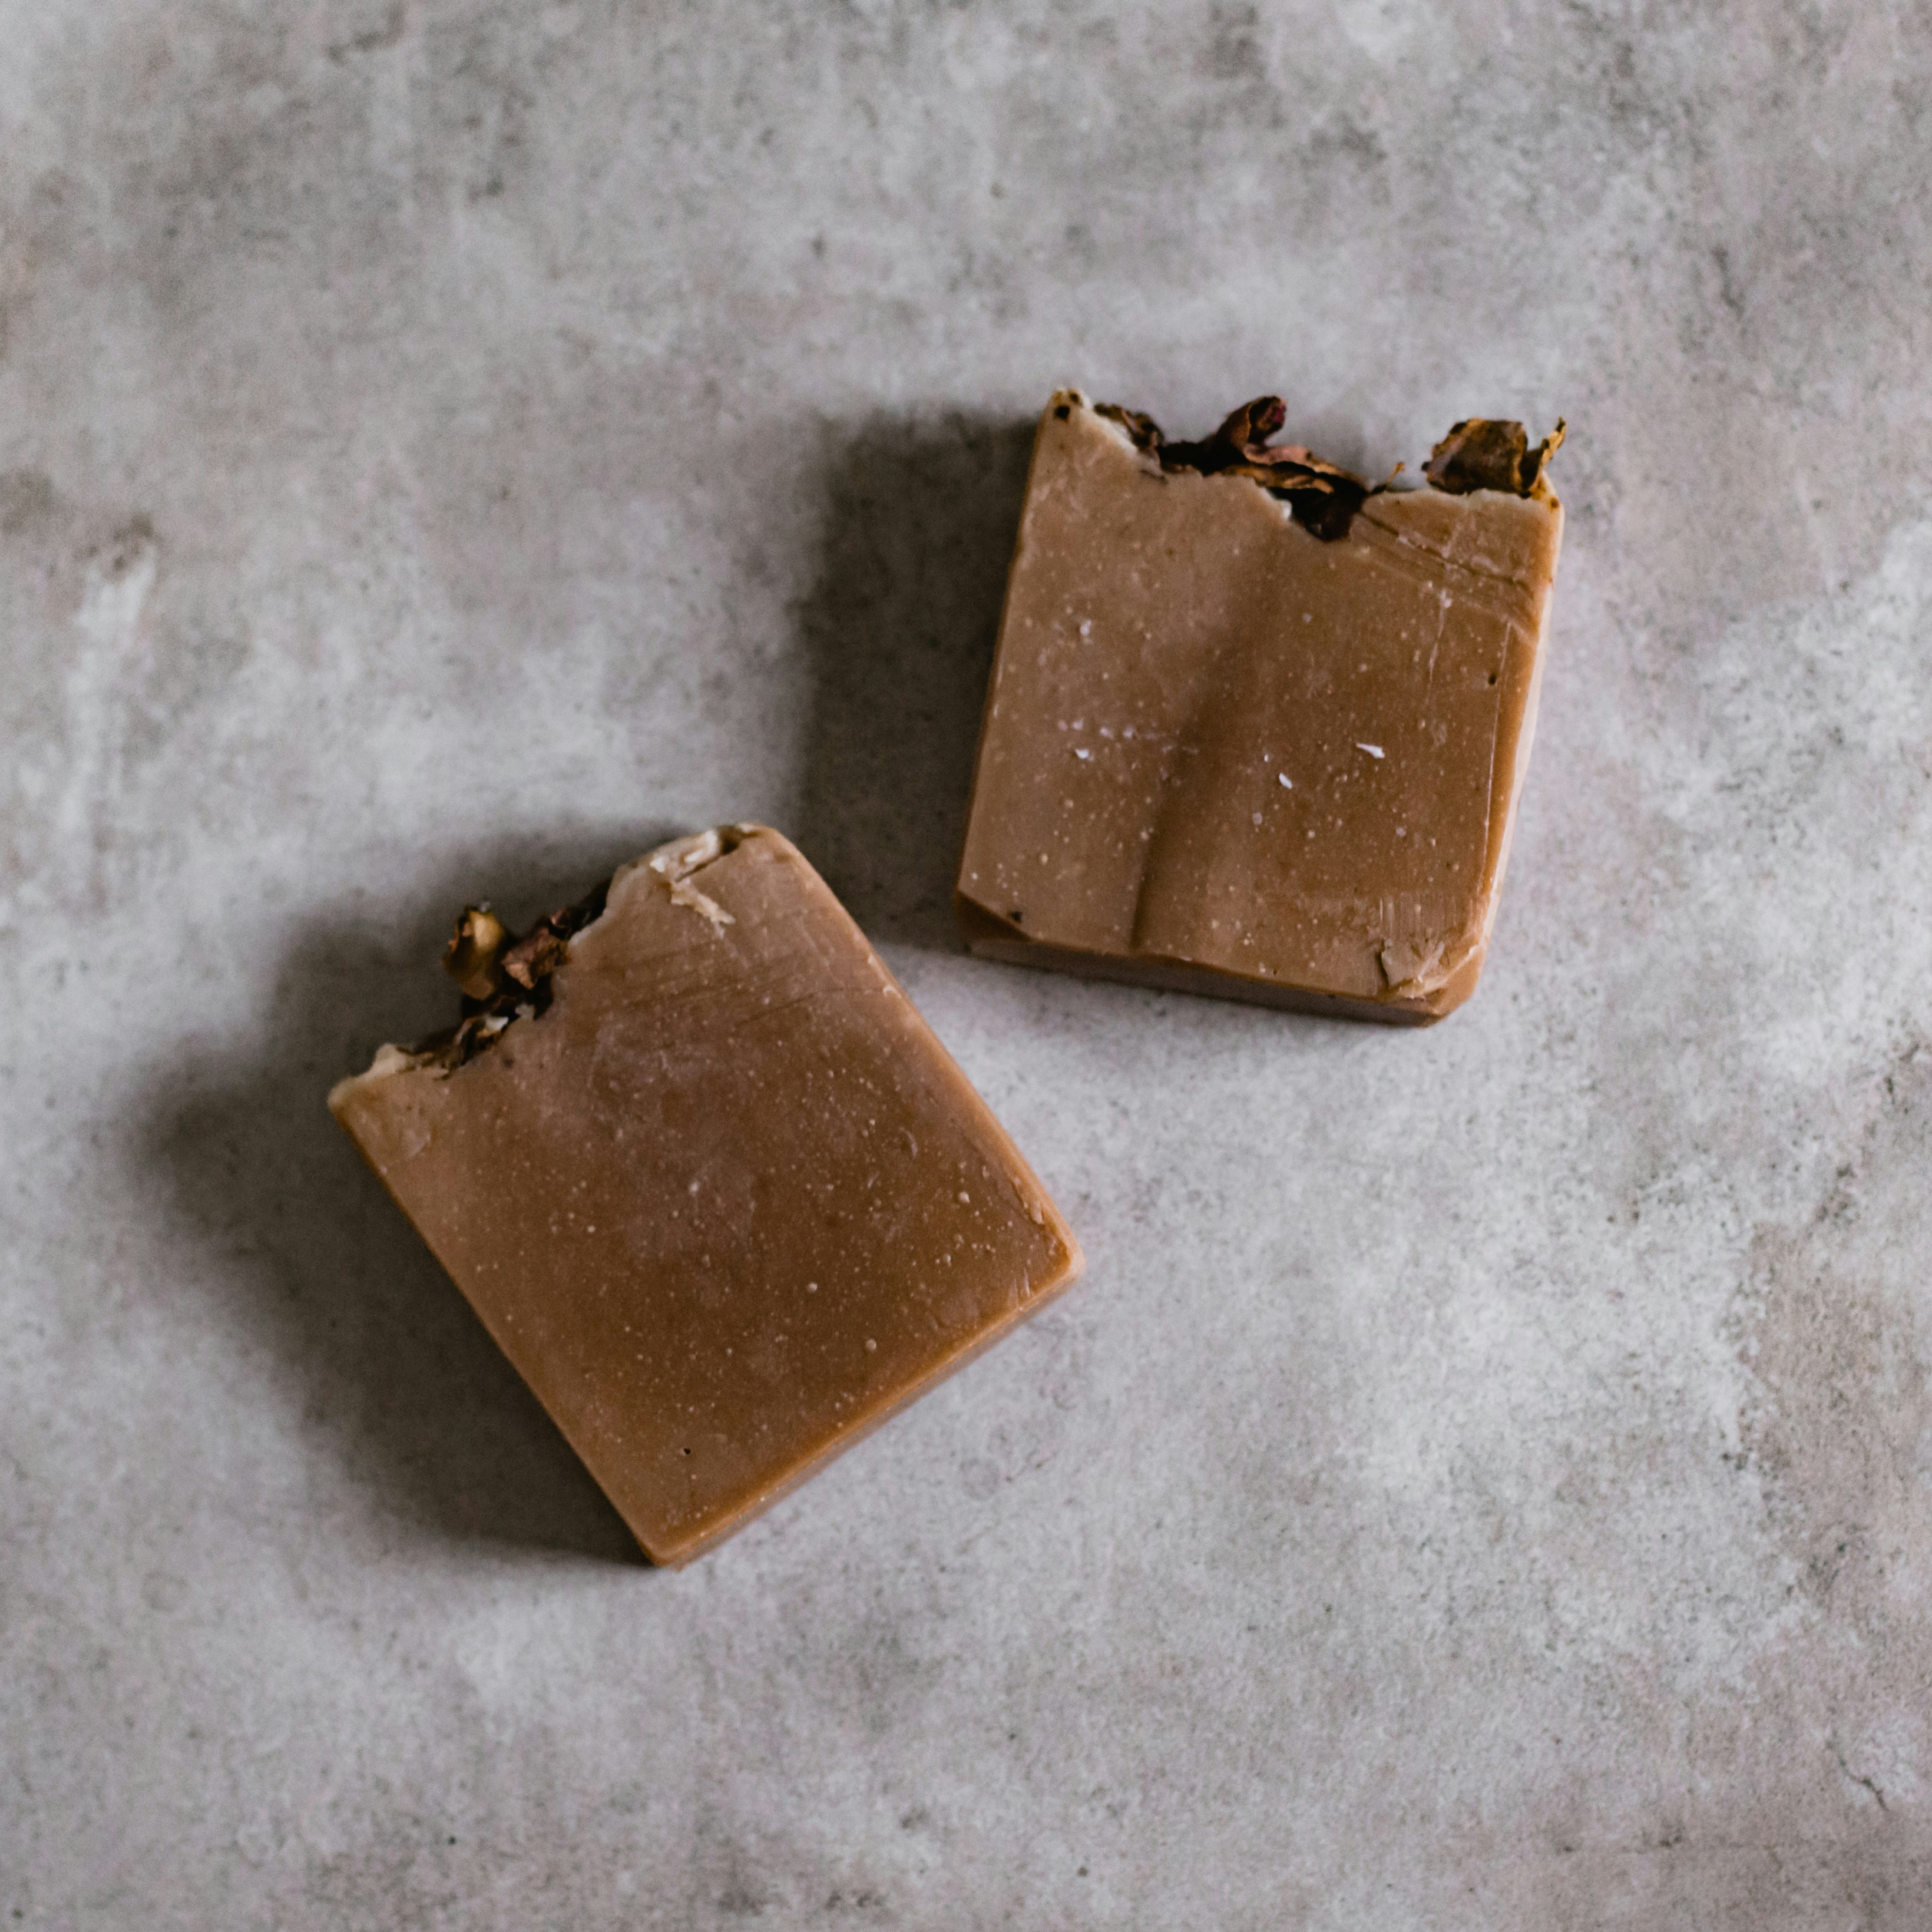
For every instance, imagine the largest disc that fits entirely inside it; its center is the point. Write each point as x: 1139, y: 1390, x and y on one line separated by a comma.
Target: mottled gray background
x: 1485, y: 1480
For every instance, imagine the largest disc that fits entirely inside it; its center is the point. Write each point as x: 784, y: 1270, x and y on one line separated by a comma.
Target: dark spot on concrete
x: 376, y: 39
x: 1234, y: 49
x: 27, y: 497
x: 126, y: 547
x: 1730, y: 292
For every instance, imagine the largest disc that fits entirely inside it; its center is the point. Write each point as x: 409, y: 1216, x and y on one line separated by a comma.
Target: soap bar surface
x: 1258, y: 730
x: 710, y: 1180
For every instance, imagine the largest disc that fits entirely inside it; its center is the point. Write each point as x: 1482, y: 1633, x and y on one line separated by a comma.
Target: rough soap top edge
x: 506, y: 977
x: 1479, y: 453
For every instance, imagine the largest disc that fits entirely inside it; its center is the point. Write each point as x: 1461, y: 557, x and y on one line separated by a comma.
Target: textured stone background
x: 1485, y: 1480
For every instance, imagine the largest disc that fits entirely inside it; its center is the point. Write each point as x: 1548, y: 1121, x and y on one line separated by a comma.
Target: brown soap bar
x: 709, y: 1179
x: 1254, y: 728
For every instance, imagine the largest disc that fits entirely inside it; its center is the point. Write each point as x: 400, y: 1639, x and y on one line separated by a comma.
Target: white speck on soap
x: 1373, y: 751
x: 1286, y: 783
x: 1081, y: 752
x: 1258, y: 818
x: 1086, y: 627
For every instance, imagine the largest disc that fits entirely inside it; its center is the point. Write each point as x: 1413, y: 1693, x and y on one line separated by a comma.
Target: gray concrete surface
x: 1485, y: 1480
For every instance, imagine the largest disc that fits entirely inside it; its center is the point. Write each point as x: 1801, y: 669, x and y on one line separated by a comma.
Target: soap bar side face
x: 1214, y: 741
x: 726, y: 1203
x: 1107, y: 643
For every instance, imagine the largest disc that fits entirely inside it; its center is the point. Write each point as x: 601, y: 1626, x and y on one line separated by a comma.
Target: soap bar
x: 708, y: 1178
x: 1254, y: 728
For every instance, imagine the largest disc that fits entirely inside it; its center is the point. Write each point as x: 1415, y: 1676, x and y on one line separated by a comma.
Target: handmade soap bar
x: 1255, y: 728
x: 708, y: 1180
